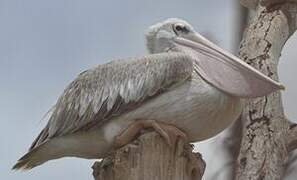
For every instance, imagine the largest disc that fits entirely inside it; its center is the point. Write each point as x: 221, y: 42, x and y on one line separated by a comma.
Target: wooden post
x: 149, y: 158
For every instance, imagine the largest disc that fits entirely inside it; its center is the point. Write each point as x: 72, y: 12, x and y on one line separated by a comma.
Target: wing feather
x: 111, y: 89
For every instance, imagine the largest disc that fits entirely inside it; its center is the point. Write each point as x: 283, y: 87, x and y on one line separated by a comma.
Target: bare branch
x: 271, y: 5
x: 290, y: 165
x: 264, y: 147
x: 251, y: 4
x: 292, y: 137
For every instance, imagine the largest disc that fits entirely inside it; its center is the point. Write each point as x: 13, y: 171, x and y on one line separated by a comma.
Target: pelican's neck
x: 160, y: 45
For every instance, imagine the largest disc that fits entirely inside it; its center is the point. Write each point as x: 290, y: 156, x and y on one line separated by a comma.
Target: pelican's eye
x: 180, y: 28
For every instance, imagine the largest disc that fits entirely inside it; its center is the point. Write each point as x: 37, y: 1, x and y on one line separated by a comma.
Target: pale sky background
x: 45, y: 44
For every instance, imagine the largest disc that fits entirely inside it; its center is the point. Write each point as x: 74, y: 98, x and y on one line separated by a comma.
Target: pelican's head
x: 217, y: 66
x: 160, y: 36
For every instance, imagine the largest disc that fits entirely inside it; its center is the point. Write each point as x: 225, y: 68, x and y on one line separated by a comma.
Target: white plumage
x: 186, y: 81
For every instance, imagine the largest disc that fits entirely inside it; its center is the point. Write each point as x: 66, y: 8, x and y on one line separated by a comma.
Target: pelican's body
x: 195, y: 107
x: 192, y: 85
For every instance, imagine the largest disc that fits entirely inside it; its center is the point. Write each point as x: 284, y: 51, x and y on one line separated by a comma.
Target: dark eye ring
x: 180, y: 29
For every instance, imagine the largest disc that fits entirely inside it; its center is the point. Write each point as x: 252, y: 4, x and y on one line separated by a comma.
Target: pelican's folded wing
x: 112, y: 89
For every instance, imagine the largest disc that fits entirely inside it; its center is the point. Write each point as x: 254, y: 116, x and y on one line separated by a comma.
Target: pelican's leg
x: 169, y: 132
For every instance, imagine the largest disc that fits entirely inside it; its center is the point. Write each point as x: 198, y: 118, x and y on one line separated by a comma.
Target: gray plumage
x: 111, y: 89
x: 187, y: 81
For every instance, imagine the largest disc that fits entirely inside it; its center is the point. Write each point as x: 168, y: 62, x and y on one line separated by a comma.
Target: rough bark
x: 269, y: 4
x: 147, y: 158
x: 268, y: 136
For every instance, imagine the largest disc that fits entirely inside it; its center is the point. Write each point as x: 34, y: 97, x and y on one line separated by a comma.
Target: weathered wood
x: 269, y: 4
x: 267, y: 134
x: 149, y: 158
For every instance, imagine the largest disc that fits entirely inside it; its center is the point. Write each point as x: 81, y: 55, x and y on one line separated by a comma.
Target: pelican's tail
x: 33, y: 158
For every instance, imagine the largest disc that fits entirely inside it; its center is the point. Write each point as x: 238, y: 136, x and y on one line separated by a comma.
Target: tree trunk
x: 268, y: 136
x: 149, y: 158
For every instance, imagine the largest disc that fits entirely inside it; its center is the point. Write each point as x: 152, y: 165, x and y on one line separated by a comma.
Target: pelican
x: 185, y: 87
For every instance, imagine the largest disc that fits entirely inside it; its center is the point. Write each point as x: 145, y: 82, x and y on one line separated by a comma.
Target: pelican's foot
x: 169, y: 132
x: 196, y: 165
